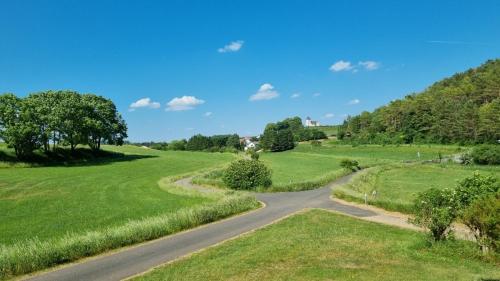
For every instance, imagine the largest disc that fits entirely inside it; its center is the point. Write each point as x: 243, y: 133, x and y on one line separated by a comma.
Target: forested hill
x: 464, y: 108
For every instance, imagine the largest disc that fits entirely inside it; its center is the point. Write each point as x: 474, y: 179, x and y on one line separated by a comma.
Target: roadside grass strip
x: 34, y: 255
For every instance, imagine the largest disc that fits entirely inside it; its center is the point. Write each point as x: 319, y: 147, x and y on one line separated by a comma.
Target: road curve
x: 134, y: 260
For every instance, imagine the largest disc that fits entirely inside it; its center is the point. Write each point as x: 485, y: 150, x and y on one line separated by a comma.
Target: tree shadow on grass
x: 64, y: 157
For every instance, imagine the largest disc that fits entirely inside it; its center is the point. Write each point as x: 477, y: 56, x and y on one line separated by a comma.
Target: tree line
x: 215, y: 143
x: 464, y: 109
x: 282, y: 135
x: 60, y: 118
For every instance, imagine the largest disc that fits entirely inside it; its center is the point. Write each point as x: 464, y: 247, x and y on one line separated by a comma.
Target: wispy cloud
x: 316, y: 95
x: 353, y: 102
x: 341, y: 66
x: 144, y: 103
x: 295, y: 96
x: 266, y: 92
x: 231, y: 47
x: 183, y: 103
x: 329, y: 115
x: 456, y: 42
x: 208, y: 114
x: 369, y: 64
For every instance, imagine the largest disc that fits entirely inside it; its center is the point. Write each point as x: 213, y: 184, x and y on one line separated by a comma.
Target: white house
x: 248, y: 143
x: 311, y: 123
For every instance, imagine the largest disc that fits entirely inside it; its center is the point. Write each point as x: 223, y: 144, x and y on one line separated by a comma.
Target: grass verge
x: 33, y: 255
x: 321, y: 245
x: 397, y: 185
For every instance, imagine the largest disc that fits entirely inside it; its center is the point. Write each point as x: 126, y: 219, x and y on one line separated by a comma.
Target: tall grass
x: 33, y: 255
x: 364, y: 183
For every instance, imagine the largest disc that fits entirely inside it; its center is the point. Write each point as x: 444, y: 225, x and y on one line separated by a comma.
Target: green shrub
x: 253, y: 154
x: 433, y: 211
x: 486, y: 154
x: 472, y: 188
x: 482, y: 217
x: 247, y: 174
x: 349, y: 164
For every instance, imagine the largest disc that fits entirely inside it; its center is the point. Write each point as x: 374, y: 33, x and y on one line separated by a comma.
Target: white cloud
x: 183, y: 103
x: 145, y: 102
x: 231, y: 47
x: 295, y: 95
x: 369, y: 65
x: 208, y: 114
x: 341, y: 66
x: 265, y: 92
x: 329, y: 115
x: 316, y: 94
x: 354, y: 101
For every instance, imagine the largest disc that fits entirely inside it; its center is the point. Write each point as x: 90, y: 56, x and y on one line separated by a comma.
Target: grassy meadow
x: 50, y: 201
x: 308, y: 166
x: 397, y: 185
x: 319, y: 245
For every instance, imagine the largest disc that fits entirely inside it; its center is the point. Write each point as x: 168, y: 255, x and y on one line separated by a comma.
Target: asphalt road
x: 134, y: 260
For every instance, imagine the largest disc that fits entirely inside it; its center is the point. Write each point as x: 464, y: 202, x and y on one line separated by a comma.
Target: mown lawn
x: 47, y: 202
x: 397, y: 186
x: 369, y: 154
x: 319, y: 245
x: 290, y: 167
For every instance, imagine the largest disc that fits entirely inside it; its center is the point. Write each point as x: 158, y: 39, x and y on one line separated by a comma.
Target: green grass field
x: 319, y: 245
x: 308, y: 166
x: 47, y: 202
x: 328, y: 130
x: 397, y: 186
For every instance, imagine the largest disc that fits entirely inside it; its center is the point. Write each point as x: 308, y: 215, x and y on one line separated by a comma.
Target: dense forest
x: 464, y: 108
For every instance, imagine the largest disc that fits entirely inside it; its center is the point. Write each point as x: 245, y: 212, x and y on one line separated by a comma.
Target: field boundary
x: 34, y: 255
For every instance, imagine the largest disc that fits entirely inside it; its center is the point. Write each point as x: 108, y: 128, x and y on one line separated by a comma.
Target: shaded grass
x: 48, y: 202
x: 398, y: 184
x: 319, y: 245
x: 35, y: 254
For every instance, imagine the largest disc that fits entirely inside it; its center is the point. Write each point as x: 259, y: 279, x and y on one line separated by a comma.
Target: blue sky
x: 176, y: 68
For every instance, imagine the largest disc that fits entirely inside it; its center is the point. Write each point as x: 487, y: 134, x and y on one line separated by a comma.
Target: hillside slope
x: 464, y: 108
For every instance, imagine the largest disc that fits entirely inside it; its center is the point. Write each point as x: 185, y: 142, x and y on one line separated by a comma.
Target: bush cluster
x: 486, y: 154
x: 247, y: 174
x: 349, y: 164
x: 60, y: 118
x: 474, y: 201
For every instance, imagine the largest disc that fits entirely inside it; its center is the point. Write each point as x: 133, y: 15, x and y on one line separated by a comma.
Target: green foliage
x: 349, y: 164
x: 277, y: 137
x: 483, y: 219
x: 33, y: 255
x: 433, y: 211
x: 247, y: 174
x: 486, y: 154
x: 215, y: 143
x: 472, y: 188
x: 253, y: 154
x: 464, y: 108
x: 177, y: 145
x: 199, y: 143
x: 63, y: 117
